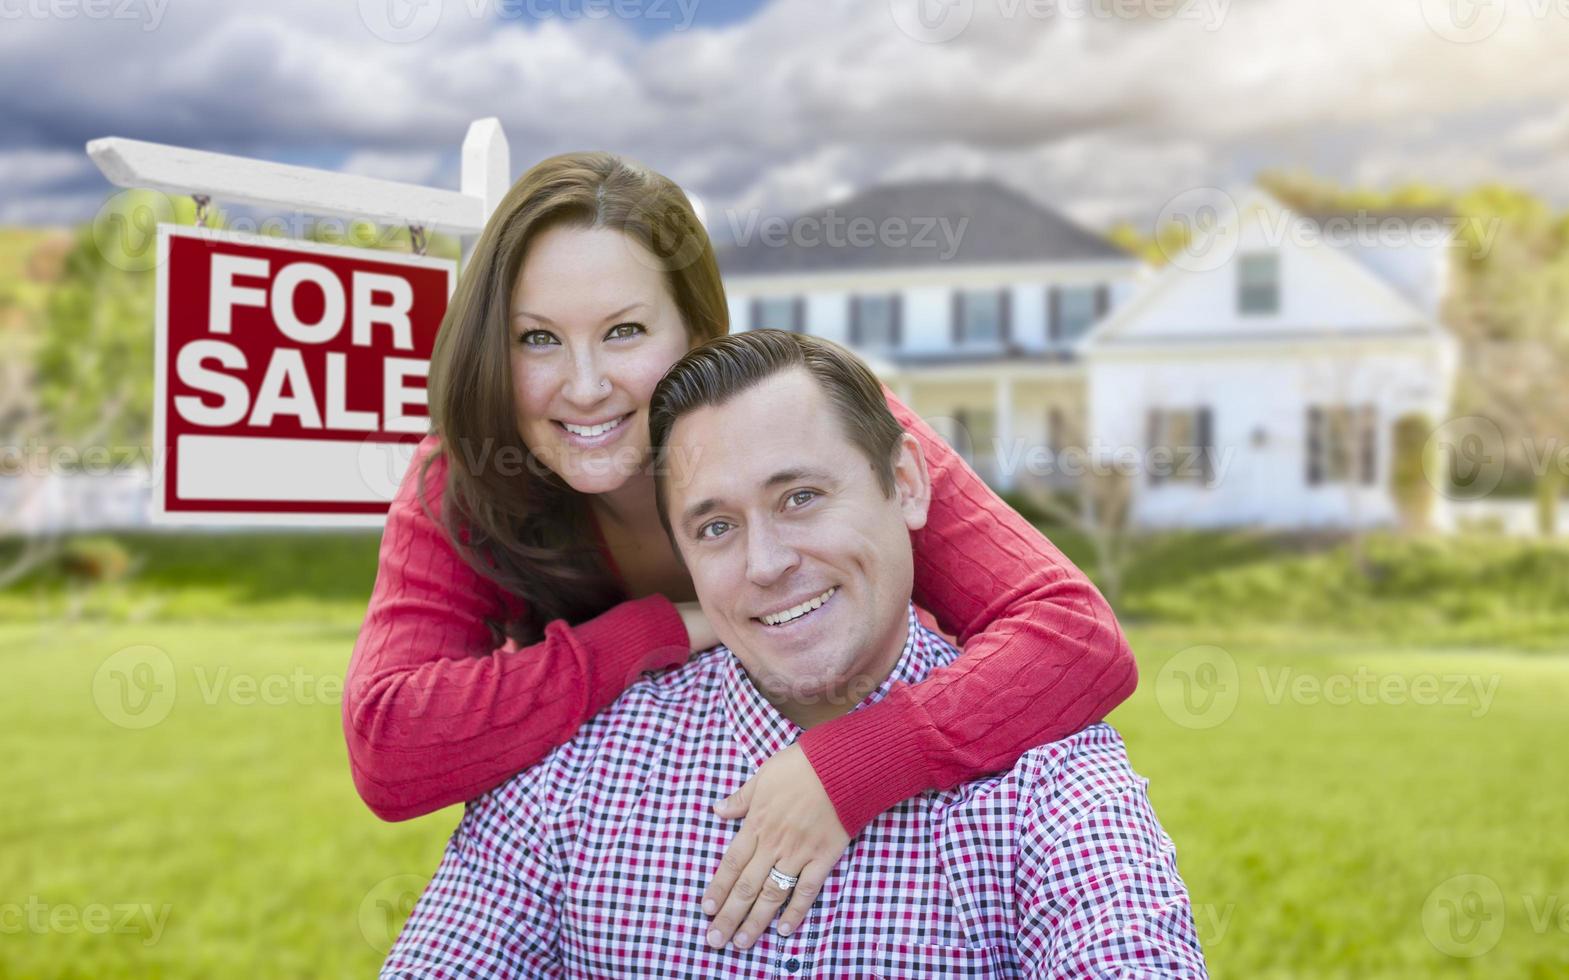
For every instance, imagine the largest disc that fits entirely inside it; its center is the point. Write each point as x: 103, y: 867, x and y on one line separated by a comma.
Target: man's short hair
x: 714, y: 372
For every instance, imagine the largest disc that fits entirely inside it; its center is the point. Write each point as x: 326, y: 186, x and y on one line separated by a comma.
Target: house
x: 974, y: 324
x: 1262, y: 386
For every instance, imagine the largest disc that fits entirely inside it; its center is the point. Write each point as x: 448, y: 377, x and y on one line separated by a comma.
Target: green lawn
x: 178, y: 801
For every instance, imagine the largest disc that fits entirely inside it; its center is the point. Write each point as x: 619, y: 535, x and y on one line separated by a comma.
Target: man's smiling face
x: 801, y: 562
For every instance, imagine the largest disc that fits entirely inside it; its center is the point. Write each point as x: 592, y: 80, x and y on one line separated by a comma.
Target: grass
x: 1312, y: 834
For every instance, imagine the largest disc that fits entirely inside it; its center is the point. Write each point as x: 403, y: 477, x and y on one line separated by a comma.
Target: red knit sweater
x: 435, y: 716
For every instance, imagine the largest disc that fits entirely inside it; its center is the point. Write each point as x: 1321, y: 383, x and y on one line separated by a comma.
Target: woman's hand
x: 790, y: 824
x: 697, y: 628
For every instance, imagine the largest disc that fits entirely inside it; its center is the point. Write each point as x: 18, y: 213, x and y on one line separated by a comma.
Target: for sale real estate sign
x: 290, y: 376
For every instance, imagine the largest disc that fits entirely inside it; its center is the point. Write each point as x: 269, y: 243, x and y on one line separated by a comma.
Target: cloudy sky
x: 1105, y: 108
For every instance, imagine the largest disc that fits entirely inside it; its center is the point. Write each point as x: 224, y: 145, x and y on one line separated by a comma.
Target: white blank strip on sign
x: 307, y: 470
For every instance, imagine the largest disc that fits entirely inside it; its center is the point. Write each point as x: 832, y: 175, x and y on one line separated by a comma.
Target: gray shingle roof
x: 1438, y: 212
x: 913, y: 225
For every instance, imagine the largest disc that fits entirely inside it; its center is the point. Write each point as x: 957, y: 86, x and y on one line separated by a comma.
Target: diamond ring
x: 783, y: 880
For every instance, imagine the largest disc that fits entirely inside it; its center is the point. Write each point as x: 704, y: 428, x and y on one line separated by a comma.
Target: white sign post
x: 284, y: 391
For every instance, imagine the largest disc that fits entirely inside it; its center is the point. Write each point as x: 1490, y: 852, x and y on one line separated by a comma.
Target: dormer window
x: 1258, y: 284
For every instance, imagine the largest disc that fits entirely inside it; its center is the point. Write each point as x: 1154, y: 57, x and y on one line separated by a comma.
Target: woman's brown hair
x: 510, y: 517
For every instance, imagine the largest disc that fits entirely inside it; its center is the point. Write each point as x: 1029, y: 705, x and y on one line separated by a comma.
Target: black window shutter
x: 1005, y: 315
x: 855, y: 321
x: 898, y: 319
x: 1369, y: 439
x: 798, y: 315
x: 757, y: 313
x: 1206, y: 443
x: 1053, y: 314
x: 1315, y: 469
x: 1152, y: 442
x: 957, y: 317
x: 1102, y: 300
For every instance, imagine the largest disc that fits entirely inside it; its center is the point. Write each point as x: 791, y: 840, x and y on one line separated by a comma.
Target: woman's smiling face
x: 593, y: 329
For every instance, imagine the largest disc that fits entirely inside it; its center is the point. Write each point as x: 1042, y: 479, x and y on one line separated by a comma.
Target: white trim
x: 314, y: 248
x: 180, y: 170
x: 1298, y: 345
x: 943, y: 275
x: 985, y: 374
x: 259, y: 468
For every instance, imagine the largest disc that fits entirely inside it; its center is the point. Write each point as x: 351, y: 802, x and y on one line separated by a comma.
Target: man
x: 791, y: 493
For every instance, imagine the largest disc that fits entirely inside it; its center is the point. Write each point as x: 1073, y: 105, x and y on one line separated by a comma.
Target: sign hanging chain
x: 202, y: 200
x: 418, y: 240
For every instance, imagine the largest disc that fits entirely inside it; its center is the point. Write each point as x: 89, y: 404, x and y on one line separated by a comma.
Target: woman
x: 525, y: 579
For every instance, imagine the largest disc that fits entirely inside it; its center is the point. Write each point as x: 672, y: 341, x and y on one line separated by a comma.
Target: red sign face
x: 290, y: 376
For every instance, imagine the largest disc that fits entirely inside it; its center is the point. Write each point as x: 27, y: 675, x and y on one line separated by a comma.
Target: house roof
x: 1011, y: 354
x: 1402, y: 319
x: 913, y: 225
x: 1438, y: 213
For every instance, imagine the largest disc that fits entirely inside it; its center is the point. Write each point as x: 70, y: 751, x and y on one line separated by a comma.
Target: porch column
x: 1004, y: 452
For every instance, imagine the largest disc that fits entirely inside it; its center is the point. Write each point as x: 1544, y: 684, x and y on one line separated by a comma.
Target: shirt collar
x: 760, y: 730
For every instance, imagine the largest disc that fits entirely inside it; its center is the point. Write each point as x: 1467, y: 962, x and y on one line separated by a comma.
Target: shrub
x: 95, y: 559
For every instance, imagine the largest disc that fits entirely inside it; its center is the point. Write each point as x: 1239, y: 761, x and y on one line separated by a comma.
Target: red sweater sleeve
x: 1043, y: 656
x: 432, y: 713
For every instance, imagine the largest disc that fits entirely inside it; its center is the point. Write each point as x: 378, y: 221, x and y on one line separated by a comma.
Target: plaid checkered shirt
x: 592, y: 864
